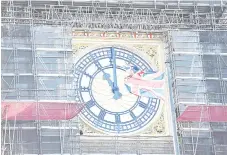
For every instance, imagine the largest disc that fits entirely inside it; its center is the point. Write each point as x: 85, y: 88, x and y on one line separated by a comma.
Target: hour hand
x: 117, y: 94
x: 106, y: 77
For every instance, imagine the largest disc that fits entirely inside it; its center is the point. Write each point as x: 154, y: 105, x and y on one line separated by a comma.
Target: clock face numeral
x: 102, y: 114
x: 88, y: 75
x: 127, y: 114
x: 117, y: 118
x: 98, y: 65
x: 84, y: 89
x: 132, y: 115
x: 90, y: 104
x: 142, y: 104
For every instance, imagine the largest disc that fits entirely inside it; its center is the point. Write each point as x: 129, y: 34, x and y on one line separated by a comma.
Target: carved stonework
x: 87, y: 129
x: 115, y: 34
x: 158, y: 128
x: 151, y: 51
x: 77, y: 47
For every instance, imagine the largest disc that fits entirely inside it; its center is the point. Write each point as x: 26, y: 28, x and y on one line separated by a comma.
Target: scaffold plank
x: 39, y: 110
x: 204, y: 114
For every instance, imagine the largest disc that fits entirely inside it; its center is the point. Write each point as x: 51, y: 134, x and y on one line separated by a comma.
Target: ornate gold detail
x: 128, y: 35
x: 158, y: 128
x: 79, y: 47
x: 151, y: 51
x: 87, y: 129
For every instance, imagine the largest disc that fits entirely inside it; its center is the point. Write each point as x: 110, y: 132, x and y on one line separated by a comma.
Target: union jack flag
x: 147, y: 83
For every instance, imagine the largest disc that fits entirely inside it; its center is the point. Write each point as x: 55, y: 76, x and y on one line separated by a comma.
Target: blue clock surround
x: 97, y: 121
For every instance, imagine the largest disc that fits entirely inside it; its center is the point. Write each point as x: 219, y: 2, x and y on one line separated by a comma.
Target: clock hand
x: 106, y: 76
x: 115, y: 88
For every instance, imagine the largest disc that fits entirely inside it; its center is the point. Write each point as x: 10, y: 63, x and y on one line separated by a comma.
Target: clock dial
x: 96, y: 83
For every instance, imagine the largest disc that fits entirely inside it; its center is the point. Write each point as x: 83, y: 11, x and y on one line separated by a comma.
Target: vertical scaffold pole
x: 174, y: 122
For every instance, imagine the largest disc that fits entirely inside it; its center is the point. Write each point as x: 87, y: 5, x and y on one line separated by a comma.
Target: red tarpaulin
x: 204, y: 114
x: 39, y: 111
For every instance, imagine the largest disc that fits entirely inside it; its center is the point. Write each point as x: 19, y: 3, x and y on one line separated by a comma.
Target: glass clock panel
x: 99, y: 83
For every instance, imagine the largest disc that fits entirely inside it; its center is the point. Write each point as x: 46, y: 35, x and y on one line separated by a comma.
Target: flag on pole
x: 147, y: 83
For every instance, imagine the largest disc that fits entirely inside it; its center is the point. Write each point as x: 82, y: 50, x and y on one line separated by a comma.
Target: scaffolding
x: 150, y: 15
x: 36, y: 48
x: 198, y: 63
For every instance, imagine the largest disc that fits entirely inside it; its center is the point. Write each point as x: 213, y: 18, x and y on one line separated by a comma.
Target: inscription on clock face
x: 99, y: 83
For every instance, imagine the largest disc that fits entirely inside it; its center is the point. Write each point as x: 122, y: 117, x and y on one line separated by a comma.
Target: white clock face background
x: 126, y: 114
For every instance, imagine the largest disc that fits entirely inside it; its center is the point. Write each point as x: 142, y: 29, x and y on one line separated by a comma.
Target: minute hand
x: 115, y: 88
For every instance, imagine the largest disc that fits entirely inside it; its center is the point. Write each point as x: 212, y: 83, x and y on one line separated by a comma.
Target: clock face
x: 93, y: 85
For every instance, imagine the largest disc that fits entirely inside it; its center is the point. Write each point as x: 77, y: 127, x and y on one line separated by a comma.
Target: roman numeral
x: 102, y: 114
x: 132, y: 115
x: 90, y: 104
x: 88, y: 75
x: 117, y: 118
x: 84, y: 89
x: 142, y: 104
